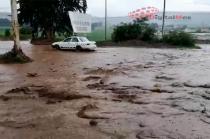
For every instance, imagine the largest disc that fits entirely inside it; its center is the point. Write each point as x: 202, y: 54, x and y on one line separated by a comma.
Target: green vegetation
x: 2, y: 32
x: 138, y: 30
x: 99, y: 34
x: 25, y: 33
x: 7, y: 33
x: 179, y: 38
x: 141, y: 31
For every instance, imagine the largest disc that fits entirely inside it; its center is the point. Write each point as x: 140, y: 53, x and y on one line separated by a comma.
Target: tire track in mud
x: 41, y: 92
x: 97, y: 80
x: 89, y: 107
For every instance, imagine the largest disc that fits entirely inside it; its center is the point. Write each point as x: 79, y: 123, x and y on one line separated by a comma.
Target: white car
x: 75, y: 43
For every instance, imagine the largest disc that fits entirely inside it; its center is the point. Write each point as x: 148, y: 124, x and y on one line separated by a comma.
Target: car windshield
x: 83, y: 39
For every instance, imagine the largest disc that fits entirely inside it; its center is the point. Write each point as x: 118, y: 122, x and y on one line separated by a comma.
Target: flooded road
x: 113, y: 93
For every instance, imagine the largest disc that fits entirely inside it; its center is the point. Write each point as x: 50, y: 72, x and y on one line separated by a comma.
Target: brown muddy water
x: 113, y: 93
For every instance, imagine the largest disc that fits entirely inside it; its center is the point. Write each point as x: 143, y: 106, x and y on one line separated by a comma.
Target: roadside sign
x: 81, y: 23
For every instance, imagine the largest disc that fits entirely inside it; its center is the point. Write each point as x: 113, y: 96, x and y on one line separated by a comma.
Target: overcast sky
x: 123, y: 7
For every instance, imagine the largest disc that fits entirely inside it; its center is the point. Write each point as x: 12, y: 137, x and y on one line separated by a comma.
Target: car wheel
x: 57, y: 47
x: 78, y: 48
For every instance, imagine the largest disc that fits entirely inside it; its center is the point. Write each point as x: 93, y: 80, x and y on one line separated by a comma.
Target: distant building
x: 174, y: 20
x: 205, y: 29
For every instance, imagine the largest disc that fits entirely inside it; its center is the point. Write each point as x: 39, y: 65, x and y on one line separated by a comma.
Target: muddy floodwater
x: 113, y: 93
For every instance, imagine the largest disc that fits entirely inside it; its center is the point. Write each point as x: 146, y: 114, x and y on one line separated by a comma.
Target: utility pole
x: 164, y: 14
x: 105, y: 20
x: 15, y: 25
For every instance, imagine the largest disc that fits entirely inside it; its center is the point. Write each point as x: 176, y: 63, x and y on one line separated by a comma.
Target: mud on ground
x: 114, y: 93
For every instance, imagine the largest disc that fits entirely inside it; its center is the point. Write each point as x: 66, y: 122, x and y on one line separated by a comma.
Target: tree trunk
x: 34, y: 34
x: 16, y: 55
x: 50, y: 34
x: 15, y: 27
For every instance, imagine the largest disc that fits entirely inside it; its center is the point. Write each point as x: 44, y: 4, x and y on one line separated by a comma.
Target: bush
x: 148, y: 34
x: 126, y: 32
x: 179, y: 38
x: 136, y: 30
x: 25, y: 33
x: 25, y: 30
x: 7, y: 33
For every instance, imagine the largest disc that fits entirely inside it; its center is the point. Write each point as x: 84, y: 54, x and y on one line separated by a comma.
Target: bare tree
x: 164, y: 14
x: 15, y: 26
x: 16, y: 55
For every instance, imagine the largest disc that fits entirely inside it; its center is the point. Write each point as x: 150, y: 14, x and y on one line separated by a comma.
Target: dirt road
x: 114, y: 93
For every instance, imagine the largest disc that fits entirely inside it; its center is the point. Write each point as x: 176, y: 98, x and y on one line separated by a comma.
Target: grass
x: 3, y: 37
x: 2, y: 32
x: 99, y: 35
x: 96, y: 35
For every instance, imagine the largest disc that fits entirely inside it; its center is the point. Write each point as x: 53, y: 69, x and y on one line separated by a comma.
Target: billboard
x: 81, y: 23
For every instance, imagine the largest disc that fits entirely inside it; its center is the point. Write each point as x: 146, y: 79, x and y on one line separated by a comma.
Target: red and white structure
x: 145, y: 12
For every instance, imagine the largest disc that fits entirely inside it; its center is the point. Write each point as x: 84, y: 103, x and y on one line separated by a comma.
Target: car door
x: 66, y: 43
x: 74, y: 42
